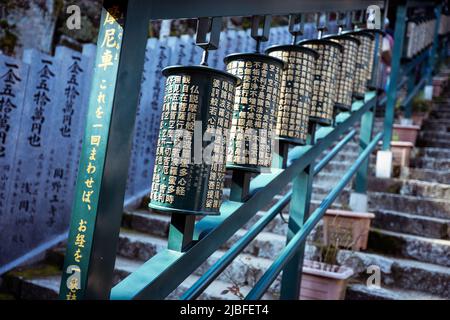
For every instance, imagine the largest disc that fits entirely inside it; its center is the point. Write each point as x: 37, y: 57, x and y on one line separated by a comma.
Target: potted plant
x: 439, y: 85
x: 406, y: 132
x: 324, y: 280
x: 420, y: 108
x: 347, y: 228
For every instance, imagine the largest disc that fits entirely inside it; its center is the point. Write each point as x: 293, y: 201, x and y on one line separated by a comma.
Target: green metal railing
x: 165, y: 271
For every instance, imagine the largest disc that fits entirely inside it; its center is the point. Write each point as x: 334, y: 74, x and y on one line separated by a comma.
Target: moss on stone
x: 6, y: 296
x: 390, y: 245
x: 35, y: 271
x: 8, y: 39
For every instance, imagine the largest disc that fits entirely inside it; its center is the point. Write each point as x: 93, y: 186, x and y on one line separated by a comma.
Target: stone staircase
x: 410, y: 236
x: 409, y: 240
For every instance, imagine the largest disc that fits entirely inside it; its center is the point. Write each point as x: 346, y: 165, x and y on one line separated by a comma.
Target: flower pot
x: 401, y: 152
x: 439, y: 84
x: 418, y: 118
x: 407, y: 133
x: 322, y: 281
x: 347, y: 229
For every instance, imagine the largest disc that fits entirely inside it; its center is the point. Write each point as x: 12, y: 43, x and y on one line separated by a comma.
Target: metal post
x: 298, y: 213
x: 280, y: 156
x: 181, y: 232
x: 240, y: 186
x: 365, y: 136
x: 433, y: 51
x: 98, y: 206
x: 399, y: 35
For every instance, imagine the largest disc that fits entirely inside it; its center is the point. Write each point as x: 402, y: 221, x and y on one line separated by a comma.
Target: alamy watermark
x: 73, y: 22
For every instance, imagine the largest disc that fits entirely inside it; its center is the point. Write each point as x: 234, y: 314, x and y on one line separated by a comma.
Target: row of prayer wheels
x: 241, y: 111
x: 420, y: 34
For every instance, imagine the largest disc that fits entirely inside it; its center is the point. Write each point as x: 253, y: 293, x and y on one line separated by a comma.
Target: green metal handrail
x: 220, y: 265
x: 159, y: 276
x: 299, y: 239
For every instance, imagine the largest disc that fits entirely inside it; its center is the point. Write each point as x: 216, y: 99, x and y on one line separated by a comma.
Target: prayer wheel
x: 251, y: 135
x: 200, y: 98
x: 344, y: 93
x: 325, y: 79
x: 375, y: 51
x: 292, y: 114
x: 362, y: 62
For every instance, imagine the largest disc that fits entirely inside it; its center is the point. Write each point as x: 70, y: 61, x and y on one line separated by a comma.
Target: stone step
x: 325, y: 178
x: 46, y: 287
x: 432, y: 163
x: 141, y: 246
x: 436, y: 251
x: 321, y: 191
x: 437, y: 208
x: 359, y: 291
x: 346, y: 156
x: 415, y: 188
x: 436, y: 153
x: 218, y: 290
x: 426, y: 175
x: 434, y: 135
x: 440, y: 114
x: 400, y: 273
x: 40, y: 281
x: 147, y: 221
x: 429, y: 123
x: 436, y: 127
x: 412, y: 224
x: 243, y: 272
x: 435, y: 143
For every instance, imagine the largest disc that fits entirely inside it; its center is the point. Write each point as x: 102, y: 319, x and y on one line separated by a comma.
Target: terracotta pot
x: 418, y: 118
x: 319, y: 284
x: 439, y: 83
x: 401, y: 152
x: 347, y: 229
x: 407, y: 133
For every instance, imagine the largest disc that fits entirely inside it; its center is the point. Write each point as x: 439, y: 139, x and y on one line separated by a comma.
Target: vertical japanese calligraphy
x: 94, y: 147
x: 292, y: 115
x: 13, y: 78
x: 362, y: 63
x: 31, y: 155
x: 196, y: 98
x: 374, y: 51
x: 325, y: 79
x: 344, y: 91
x: 66, y: 124
x: 251, y: 134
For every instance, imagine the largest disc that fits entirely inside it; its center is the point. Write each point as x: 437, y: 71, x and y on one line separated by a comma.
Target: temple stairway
x: 409, y: 240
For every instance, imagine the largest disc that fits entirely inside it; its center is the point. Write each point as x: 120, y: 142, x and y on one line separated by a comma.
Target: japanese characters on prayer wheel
x: 251, y: 134
x: 346, y: 75
x: 292, y: 114
x: 197, y: 98
x: 375, y: 51
x: 362, y: 62
x: 325, y: 79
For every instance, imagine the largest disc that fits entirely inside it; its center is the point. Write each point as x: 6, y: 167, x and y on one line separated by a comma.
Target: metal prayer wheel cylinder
x: 362, y: 62
x: 344, y: 93
x: 183, y: 183
x: 292, y: 114
x: 374, y: 52
x: 325, y: 79
x: 251, y: 135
